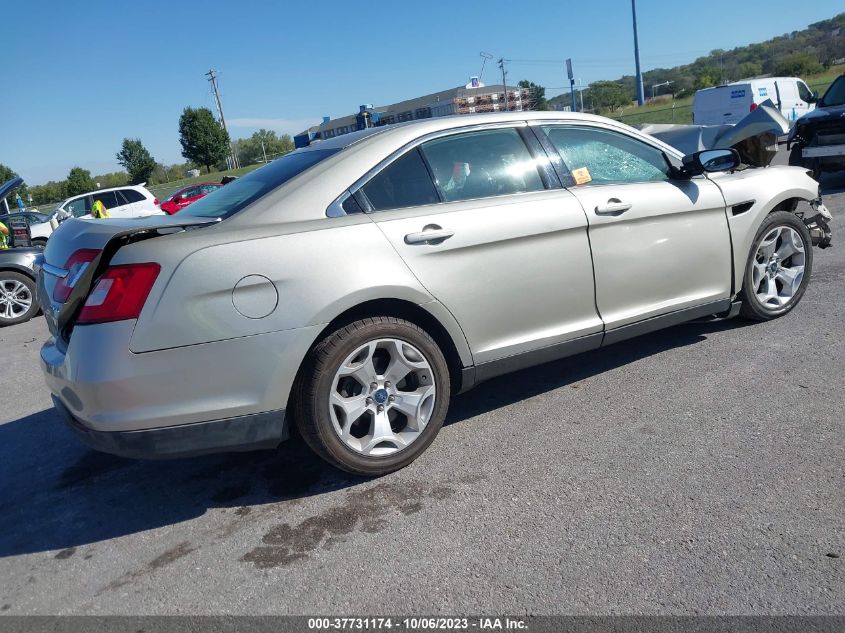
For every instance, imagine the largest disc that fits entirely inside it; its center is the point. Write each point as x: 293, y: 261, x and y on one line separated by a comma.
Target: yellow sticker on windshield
x: 582, y: 176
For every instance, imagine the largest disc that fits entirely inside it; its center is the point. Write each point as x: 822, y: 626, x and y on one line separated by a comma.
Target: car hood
x: 822, y: 114
x: 751, y: 136
x: 10, y: 185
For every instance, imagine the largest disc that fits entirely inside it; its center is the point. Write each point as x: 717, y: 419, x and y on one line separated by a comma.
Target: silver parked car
x: 351, y: 287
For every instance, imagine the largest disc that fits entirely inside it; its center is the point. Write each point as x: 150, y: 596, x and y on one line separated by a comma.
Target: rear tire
x: 372, y: 395
x: 17, y: 298
x: 778, y: 268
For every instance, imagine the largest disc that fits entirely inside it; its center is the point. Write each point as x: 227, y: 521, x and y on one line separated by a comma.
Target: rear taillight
x: 75, y: 266
x: 753, y: 107
x: 119, y: 294
x: 156, y: 202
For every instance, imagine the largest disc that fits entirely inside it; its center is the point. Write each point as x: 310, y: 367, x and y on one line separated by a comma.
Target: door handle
x: 614, y: 206
x: 430, y: 234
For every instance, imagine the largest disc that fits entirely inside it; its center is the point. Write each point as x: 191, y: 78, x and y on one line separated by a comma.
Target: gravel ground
x: 694, y: 470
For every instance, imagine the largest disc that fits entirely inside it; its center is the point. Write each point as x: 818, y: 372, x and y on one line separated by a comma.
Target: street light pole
x: 639, y: 79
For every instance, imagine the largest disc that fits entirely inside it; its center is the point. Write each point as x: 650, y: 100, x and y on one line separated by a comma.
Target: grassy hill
x: 807, y: 53
x: 665, y: 110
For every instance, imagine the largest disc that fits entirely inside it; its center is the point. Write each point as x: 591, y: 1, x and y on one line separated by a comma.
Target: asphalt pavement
x: 694, y: 470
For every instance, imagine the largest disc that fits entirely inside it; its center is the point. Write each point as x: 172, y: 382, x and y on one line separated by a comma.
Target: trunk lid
x: 104, y: 238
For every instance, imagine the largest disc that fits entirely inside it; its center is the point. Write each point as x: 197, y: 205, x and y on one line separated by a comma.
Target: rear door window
x: 132, y: 195
x: 108, y: 198
x: 482, y: 164
x: 403, y: 183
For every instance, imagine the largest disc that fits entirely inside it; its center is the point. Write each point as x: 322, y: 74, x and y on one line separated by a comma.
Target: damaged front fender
x: 818, y: 223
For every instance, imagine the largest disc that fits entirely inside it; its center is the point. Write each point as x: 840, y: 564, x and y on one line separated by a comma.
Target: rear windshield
x: 835, y: 95
x: 231, y: 198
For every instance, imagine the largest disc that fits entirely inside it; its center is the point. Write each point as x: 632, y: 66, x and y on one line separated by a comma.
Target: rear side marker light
x: 75, y: 266
x: 119, y: 294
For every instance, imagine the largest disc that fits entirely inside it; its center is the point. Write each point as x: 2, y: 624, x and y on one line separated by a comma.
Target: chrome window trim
x: 620, y: 128
x: 371, y: 173
x: 335, y: 209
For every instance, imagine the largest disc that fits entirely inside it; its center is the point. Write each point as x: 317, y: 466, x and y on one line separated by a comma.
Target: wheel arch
x: 15, y: 268
x: 745, y: 226
x: 432, y: 317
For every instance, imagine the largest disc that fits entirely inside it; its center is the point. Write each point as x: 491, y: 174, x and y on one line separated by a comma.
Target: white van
x: 730, y: 103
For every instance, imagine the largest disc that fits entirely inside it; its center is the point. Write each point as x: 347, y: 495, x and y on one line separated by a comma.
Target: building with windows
x: 472, y: 98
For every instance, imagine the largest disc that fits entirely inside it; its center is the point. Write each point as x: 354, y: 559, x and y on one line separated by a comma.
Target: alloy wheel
x: 382, y: 397
x: 778, y: 267
x: 15, y: 299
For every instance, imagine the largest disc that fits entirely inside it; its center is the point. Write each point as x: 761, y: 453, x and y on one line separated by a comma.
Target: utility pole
x: 212, y: 78
x: 639, y: 80
x: 504, y: 82
x: 263, y: 151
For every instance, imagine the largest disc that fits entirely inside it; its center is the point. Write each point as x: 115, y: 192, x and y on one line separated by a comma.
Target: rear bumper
x: 229, y: 395
x: 242, y: 433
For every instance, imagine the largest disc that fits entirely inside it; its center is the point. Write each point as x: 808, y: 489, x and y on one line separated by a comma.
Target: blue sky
x: 87, y: 74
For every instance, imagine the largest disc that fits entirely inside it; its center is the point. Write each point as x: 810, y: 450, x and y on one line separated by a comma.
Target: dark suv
x: 817, y: 140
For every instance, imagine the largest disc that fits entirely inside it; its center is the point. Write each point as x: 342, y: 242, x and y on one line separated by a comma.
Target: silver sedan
x: 351, y: 287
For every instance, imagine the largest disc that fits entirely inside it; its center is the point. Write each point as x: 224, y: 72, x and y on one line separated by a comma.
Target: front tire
x: 372, y: 395
x: 778, y: 268
x: 17, y: 298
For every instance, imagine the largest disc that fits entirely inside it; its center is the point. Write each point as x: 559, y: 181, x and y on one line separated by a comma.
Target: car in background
x: 129, y: 201
x: 185, y: 196
x: 17, y: 285
x: 39, y: 225
x: 817, y: 140
x: 730, y: 103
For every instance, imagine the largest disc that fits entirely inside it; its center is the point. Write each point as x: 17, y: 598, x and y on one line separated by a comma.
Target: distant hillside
x: 798, y: 53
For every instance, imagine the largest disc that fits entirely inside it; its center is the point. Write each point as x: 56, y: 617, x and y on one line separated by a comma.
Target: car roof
x: 96, y: 191
x: 402, y: 133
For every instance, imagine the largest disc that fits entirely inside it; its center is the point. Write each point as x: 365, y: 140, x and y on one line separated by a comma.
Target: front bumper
x: 243, y: 433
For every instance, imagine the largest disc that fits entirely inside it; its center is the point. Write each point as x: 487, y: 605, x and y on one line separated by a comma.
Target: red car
x: 187, y: 195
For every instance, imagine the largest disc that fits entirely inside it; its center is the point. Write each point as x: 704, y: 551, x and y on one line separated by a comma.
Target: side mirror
x: 814, y: 97
x: 711, y: 160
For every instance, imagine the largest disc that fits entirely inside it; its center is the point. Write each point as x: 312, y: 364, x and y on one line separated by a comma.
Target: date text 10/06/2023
x: 417, y: 623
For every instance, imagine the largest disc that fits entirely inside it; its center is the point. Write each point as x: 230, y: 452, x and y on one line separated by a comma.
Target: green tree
x: 607, y: 94
x: 204, y: 141
x: 536, y: 93
x: 797, y: 65
x: 137, y: 161
x: 111, y: 179
x: 748, y: 69
x: 6, y: 173
x: 50, y: 192
x: 79, y: 181
x: 262, y: 143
